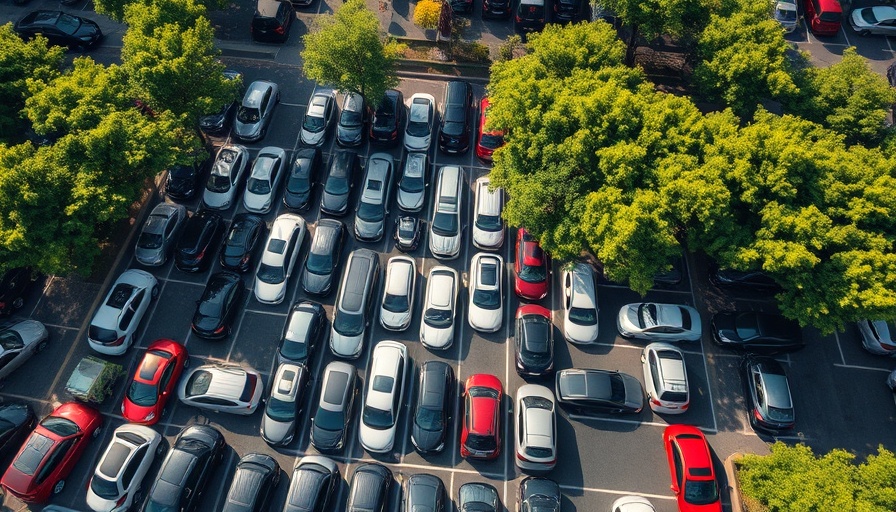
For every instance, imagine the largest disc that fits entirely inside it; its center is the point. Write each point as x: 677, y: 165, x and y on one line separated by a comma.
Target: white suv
x: 398, y: 293
x: 116, y: 483
x: 384, y: 397
x: 445, y: 229
x: 579, y: 304
x: 114, y: 324
x: 279, y: 257
x: 222, y: 388
x: 437, y: 327
x: 665, y: 378
x: 486, y: 310
x: 488, y: 227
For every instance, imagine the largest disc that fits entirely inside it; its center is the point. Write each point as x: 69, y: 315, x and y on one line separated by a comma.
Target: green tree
x: 743, y: 60
x: 117, y: 9
x: 20, y: 61
x: 345, y: 50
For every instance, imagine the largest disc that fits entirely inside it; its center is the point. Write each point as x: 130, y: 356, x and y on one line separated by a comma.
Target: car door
x: 127, y: 477
x: 127, y: 323
x: 677, y: 469
x: 265, y: 106
x: 165, y: 380
x: 170, y: 228
x: 57, y: 460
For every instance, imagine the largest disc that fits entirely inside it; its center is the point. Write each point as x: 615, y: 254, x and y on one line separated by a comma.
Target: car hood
x: 326, y: 439
x: 365, y: 229
x: 257, y: 203
x: 634, y: 395
x: 333, y: 202
x: 179, y: 186
x: 436, y: 338
x: 15, y: 413
x: 313, y: 138
x: 427, y: 440
x: 276, y: 431
x: 30, y: 331
x: 576, y: 333
x: 375, y: 440
x: 267, y: 292
x: 410, y: 201
x: 206, y: 323
x: 316, y: 283
x: 150, y: 256
x: 725, y: 326
x: 484, y: 319
x: 89, y: 29
x: 346, y: 346
x: 395, y: 320
x: 296, y: 200
x: 487, y: 239
x: 246, y: 131
x: 413, y: 143
x: 217, y: 199
x: 444, y: 245
x: 348, y: 135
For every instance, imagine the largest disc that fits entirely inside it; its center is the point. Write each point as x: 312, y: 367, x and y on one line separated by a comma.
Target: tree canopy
x: 345, y: 50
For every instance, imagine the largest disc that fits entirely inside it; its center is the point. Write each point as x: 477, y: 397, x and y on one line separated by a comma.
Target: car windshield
x: 439, y: 318
x: 781, y: 415
x: 279, y: 410
x: 350, y: 119
x: 68, y: 23
x: 417, y: 128
x: 396, y: 303
x: 453, y: 129
x: 211, y: 306
x: 104, y: 488
x: 259, y: 186
x: 328, y: 420
x: 444, y: 224
x: 218, y: 183
x: 348, y: 324
x: 337, y: 185
x: 480, y: 442
x: 489, y: 222
x: 313, y: 124
x: 487, y: 299
x: 701, y: 492
x: 248, y: 114
x: 647, y: 314
x: 429, y: 419
x: 583, y: 316
x: 298, y: 182
x: 271, y: 274
x: 411, y: 184
x: 868, y: 16
x: 101, y: 334
x: 142, y: 394
x: 533, y: 273
x: 149, y: 240
x: 491, y: 141
x: 294, y: 350
x: 60, y: 426
x: 371, y: 212
x: 319, y: 264
x: 377, y: 418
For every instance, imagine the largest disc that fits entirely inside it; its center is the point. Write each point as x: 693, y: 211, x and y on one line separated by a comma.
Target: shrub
x: 426, y: 14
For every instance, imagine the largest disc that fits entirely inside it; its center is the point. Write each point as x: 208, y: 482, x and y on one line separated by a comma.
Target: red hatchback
x: 690, y: 463
x: 531, y: 267
x: 481, y: 435
x: 154, y: 381
x: 487, y: 142
x: 50, y: 452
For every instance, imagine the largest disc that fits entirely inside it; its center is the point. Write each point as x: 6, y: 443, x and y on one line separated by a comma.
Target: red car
x: 50, y: 452
x: 154, y: 381
x: 690, y: 463
x: 531, y: 267
x: 481, y: 436
x: 487, y: 142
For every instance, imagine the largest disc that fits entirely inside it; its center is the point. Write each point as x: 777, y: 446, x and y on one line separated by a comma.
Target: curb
x: 733, y: 487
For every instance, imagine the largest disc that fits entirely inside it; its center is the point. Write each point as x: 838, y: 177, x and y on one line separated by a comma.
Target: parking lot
x: 839, y: 391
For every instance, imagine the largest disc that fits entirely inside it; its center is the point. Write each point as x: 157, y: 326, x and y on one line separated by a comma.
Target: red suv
x: 531, y: 267
x: 690, y: 463
x: 487, y: 142
x: 50, y: 452
x: 154, y: 382
x: 481, y: 436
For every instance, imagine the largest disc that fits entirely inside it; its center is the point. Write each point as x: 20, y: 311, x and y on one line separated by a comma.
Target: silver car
x: 878, y: 19
x: 115, y: 322
x: 421, y: 116
x: 384, y: 398
x: 412, y: 185
x: 284, y: 404
x: 19, y: 341
x: 665, y: 378
x: 488, y: 226
x: 579, y: 304
x: 398, y: 293
x: 159, y: 234
x: 279, y: 257
x: 226, y: 176
x: 264, y: 180
x: 318, y: 117
x: 370, y: 215
x: 439, y: 309
x: 535, y: 421
x: 256, y: 110
x: 659, y: 322
x: 878, y: 336
x: 632, y: 504
x: 221, y: 387
x: 445, y: 227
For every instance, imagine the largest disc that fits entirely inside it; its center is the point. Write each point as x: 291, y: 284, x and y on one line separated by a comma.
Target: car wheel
x: 42, y: 346
x: 159, y: 450
x: 96, y: 433
x: 58, y: 487
x: 186, y: 362
x: 155, y: 291
x: 18, y: 303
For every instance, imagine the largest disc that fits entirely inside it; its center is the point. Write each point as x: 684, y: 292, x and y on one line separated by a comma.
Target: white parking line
x: 839, y: 348
x: 272, y: 313
x: 63, y: 327
x: 580, y: 417
x: 623, y: 287
x: 224, y: 480
x: 179, y: 281
x: 615, y: 492
x: 858, y: 367
x: 712, y: 410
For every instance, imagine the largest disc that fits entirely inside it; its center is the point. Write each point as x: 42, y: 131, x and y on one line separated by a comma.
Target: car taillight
x: 279, y: 30
x: 121, y: 500
x: 245, y: 258
x: 757, y: 414
x: 656, y: 402
x: 518, y: 19
x: 117, y: 342
x: 684, y: 407
x: 219, y: 330
x: 200, y: 255
x: 520, y: 457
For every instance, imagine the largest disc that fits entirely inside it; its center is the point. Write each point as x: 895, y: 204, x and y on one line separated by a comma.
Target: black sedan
x: 369, y: 489
x: 220, y: 122
x: 315, y: 480
x: 388, y: 120
x: 769, y: 404
x: 196, y: 452
x: 201, y: 235
x: 344, y: 165
x: 407, y: 233
x: 323, y: 257
x: 478, y: 497
x: 305, y: 325
x: 183, y: 181
x: 432, y: 410
x: 756, y: 332
x: 586, y: 391
x: 14, y: 286
x: 219, y: 302
x: 254, y: 481
x: 539, y: 494
x: 60, y: 29
x: 16, y: 421
x: 425, y: 492
x: 301, y: 180
x: 753, y: 280
x: 534, y: 341
x: 242, y: 239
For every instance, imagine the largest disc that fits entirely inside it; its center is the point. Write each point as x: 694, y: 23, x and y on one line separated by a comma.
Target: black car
x: 495, y: 8
x: 752, y: 280
x: 541, y: 494
x: 407, y: 233
x: 756, y: 332
x: 184, y: 473
x: 323, y: 257
x: 478, y: 497
x: 534, y: 341
x: 586, y: 391
x: 182, y: 180
x: 344, y: 165
x: 331, y: 420
x: 272, y: 20
x: 60, y: 29
x: 432, y: 410
x: 14, y: 286
x: 369, y: 489
x: 219, y: 123
x: 767, y: 394
x: 254, y: 481
x: 424, y: 492
x: 305, y: 326
x: 567, y: 11
x: 245, y: 233
x: 314, y: 482
x: 352, y: 121
x: 219, y: 302
x: 462, y: 6
x: 671, y: 277
x: 454, y: 131
x: 16, y: 421
x: 388, y: 119
x: 301, y: 180
x: 201, y: 235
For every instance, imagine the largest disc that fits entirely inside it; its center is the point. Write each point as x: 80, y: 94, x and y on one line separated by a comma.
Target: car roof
x: 356, y: 274
x: 695, y: 452
x: 489, y: 272
x: 399, y: 275
x: 226, y: 381
x: 671, y: 366
x: 286, y: 382
x: 583, y: 293
x: 336, y: 385
x: 256, y: 89
x: 449, y: 185
x: 442, y: 284
x: 414, y: 165
x: 388, y: 363
x: 489, y: 201
x: 365, y: 486
x: 377, y: 179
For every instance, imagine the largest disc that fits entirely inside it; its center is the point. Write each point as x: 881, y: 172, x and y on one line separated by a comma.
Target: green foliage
x: 683, y: 19
x: 20, y: 61
x: 847, y: 97
x: 426, y: 14
x: 794, y: 478
x: 509, y: 47
x: 117, y: 9
x: 743, y: 60
x: 345, y: 50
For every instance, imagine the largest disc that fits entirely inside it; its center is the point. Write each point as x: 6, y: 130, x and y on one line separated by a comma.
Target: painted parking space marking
x: 615, y: 492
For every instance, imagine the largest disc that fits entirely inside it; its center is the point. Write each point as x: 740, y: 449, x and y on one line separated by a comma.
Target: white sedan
x: 579, y: 304
x: 264, y: 180
x: 486, y: 309
x: 535, y: 422
x: 437, y: 327
x: 877, y: 19
x: 279, y: 258
x: 421, y: 116
x: 383, y: 400
x: 398, y: 293
x: 120, y: 471
x: 659, y: 322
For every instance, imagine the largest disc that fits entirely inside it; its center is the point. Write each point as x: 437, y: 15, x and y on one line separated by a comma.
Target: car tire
x: 42, y: 346
x: 160, y: 449
x: 155, y: 291
x: 18, y: 303
x: 60, y: 485
x: 96, y: 432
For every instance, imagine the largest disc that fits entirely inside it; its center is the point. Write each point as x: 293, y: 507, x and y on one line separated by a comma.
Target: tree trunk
x: 631, y: 47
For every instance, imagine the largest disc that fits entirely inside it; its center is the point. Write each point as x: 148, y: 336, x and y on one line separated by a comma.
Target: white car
x: 877, y: 336
x: 486, y: 308
x: 373, y: 201
x: 412, y: 185
x: 445, y: 228
x: 579, y: 304
x: 222, y: 387
x: 279, y: 258
x: 226, y: 176
x: 318, y: 117
x: 398, y: 293
x: 665, y: 378
x: 421, y: 116
x: 659, y: 322
x: 264, y: 180
x: 437, y: 327
x: 535, y: 422
x: 384, y: 398
x: 18, y: 342
x: 632, y: 504
x: 488, y: 226
x: 115, y: 323
x: 117, y: 480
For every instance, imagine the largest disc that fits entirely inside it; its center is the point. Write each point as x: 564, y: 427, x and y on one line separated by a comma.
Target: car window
x: 169, y: 229
x: 654, y: 371
x: 132, y: 468
x: 760, y: 390
x: 676, y: 458
x: 264, y: 101
x: 166, y: 376
x: 127, y: 315
x: 520, y: 424
x: 210, y: 400
x: 55, y: 459
x: 468, y: 406
x: 7, y: 357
